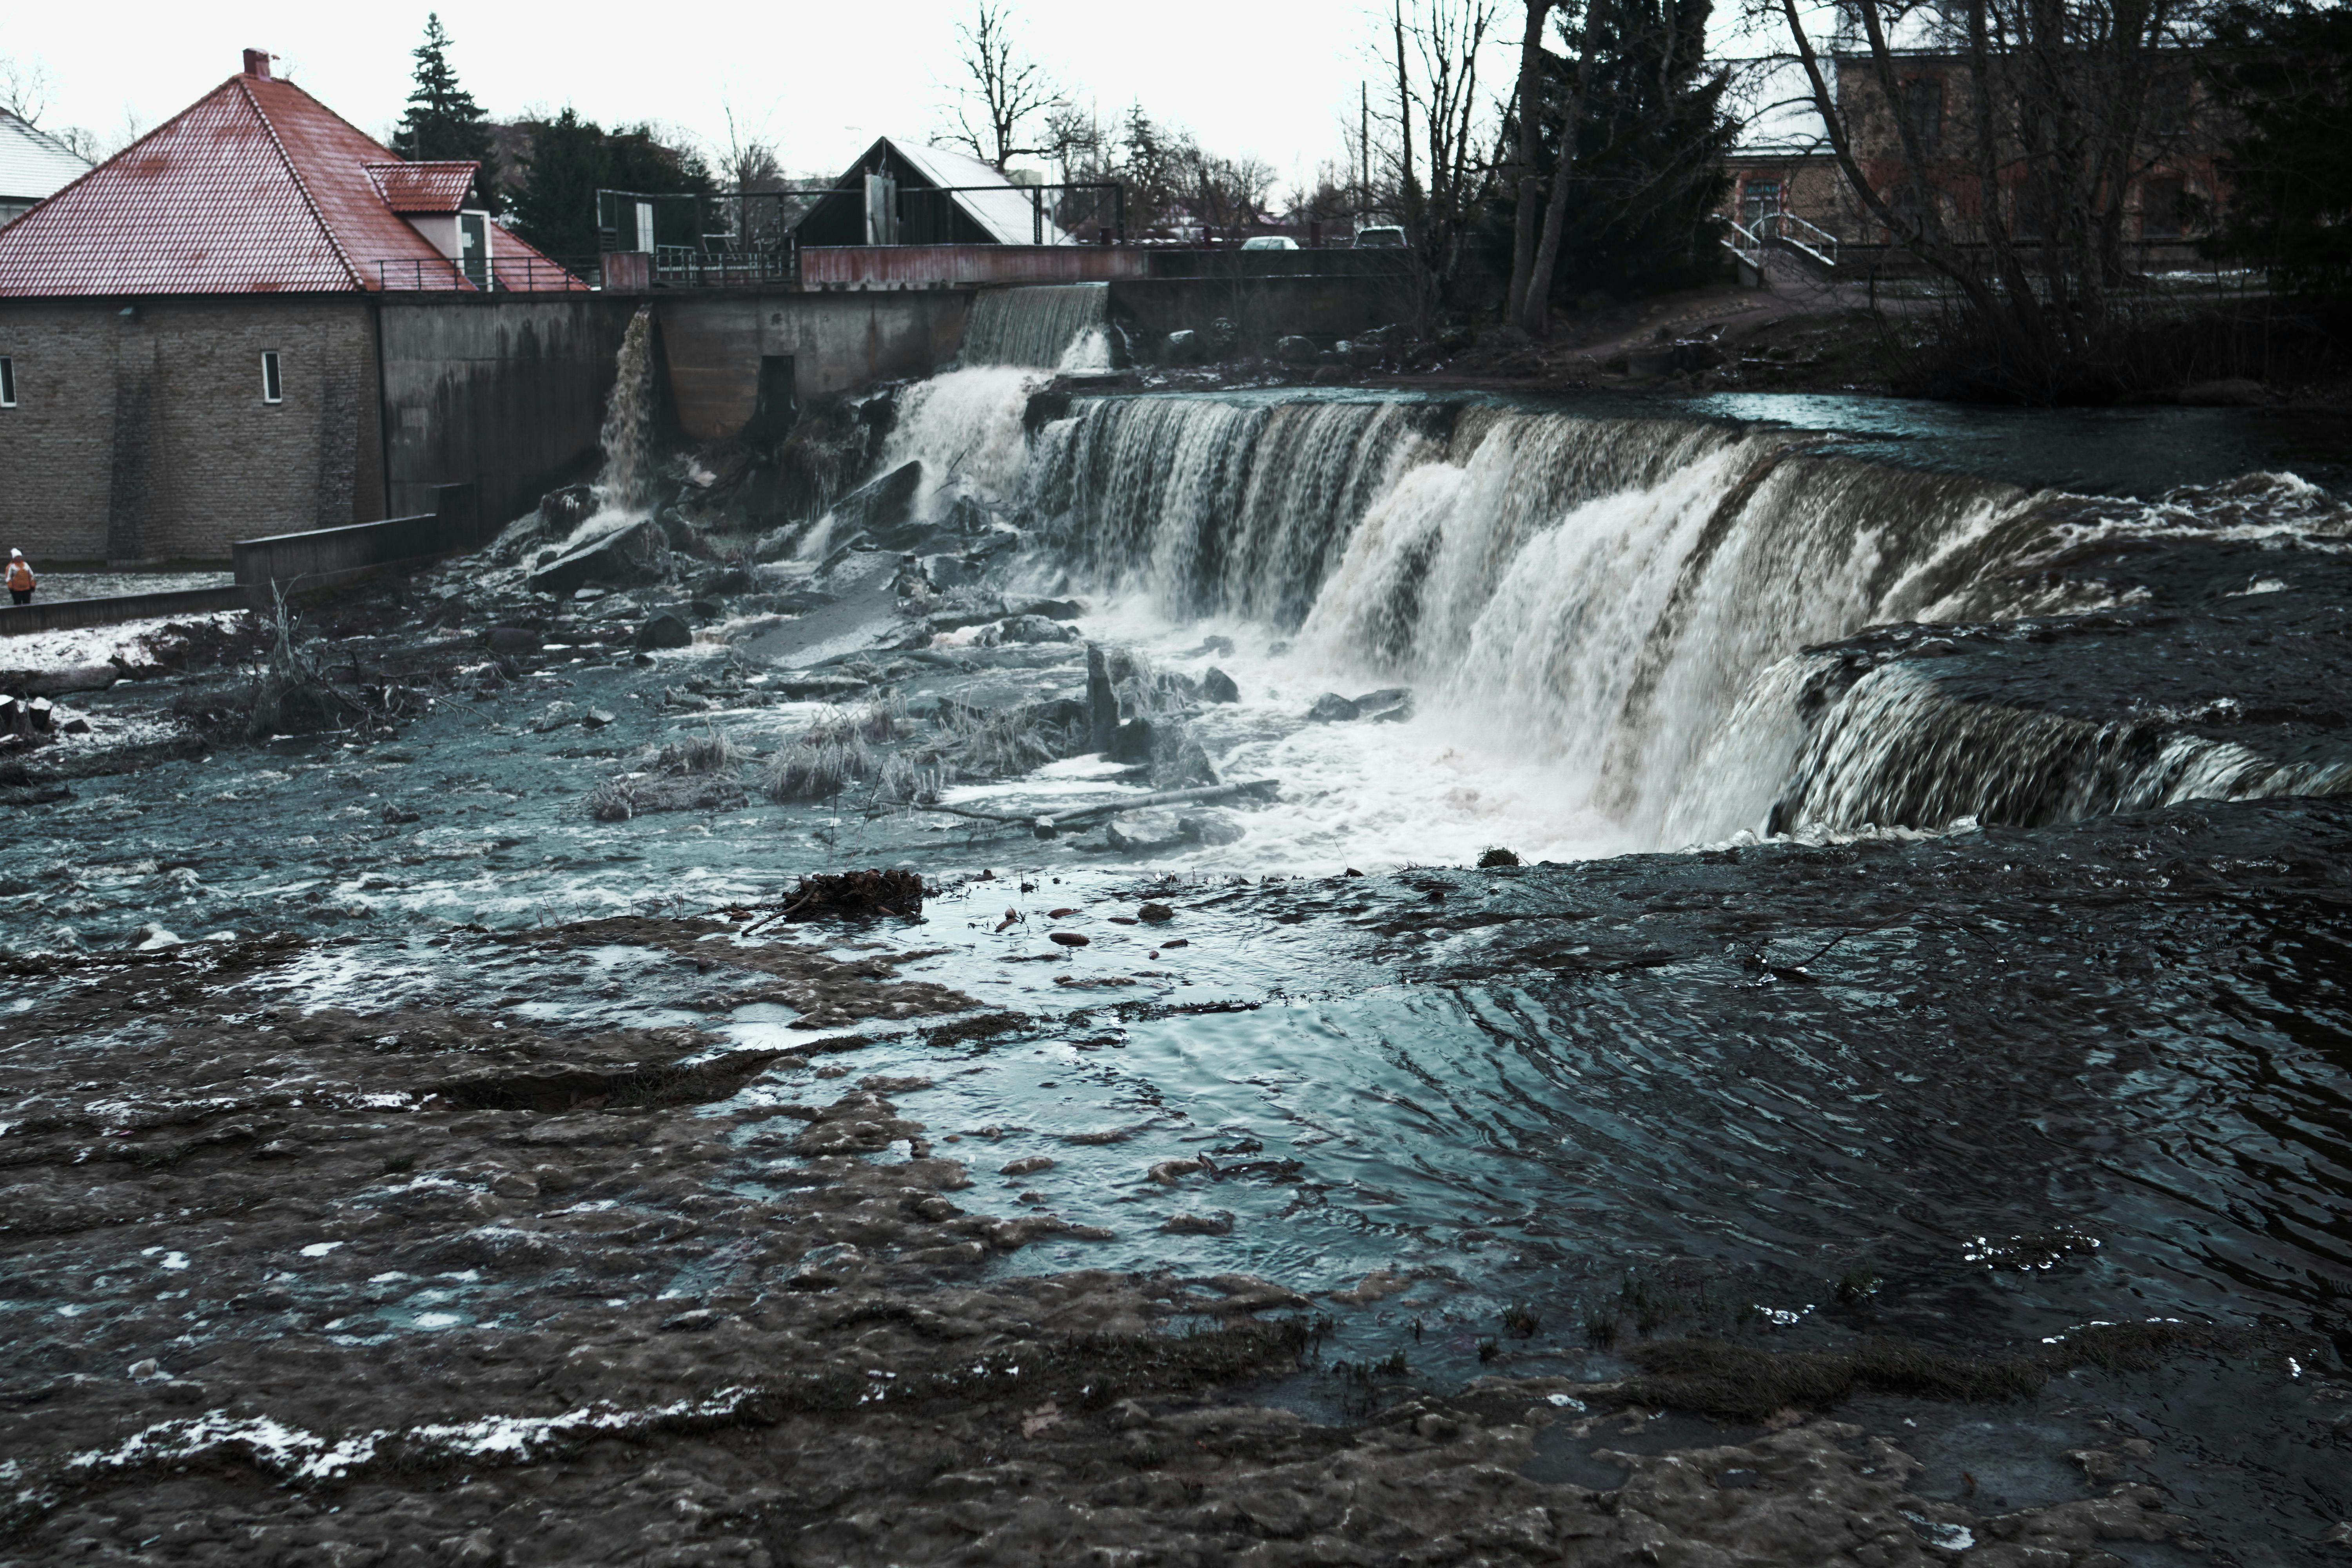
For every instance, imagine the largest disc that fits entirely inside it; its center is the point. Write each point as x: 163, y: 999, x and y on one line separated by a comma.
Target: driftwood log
x: 1051, y: 825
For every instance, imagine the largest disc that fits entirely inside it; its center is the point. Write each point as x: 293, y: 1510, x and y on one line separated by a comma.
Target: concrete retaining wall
x: 331, y: 557
x: 64, y: 614
x: 714, y: 342
x: 502, y: 393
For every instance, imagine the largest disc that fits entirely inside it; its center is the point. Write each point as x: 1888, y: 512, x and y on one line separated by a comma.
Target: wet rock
x: 1181, y: 347
x: 1333, y: 709
x: 1155, y: 914
x: 627, y: 556
x: 1144, y: 832
x: 1028, y: 1164
x: 1131, y: 742
x: 1218, y: 1223
x: 1102, y: 702
x: 1034, y: 629
x: 665, y: 630
x: 553, y: 717
x: 1297, y: 351
x: 1218, y: 687
x: 1054, y: 609
x: 1210, y: 829
x: 394, y: 815
x: 596, y: 718
x: 510, y: 640
x: 880, y: 508
x: 1380, y: 703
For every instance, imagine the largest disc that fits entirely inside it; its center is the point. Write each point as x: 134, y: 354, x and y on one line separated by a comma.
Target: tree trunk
x: 1535, y: 308
x: 1529, y: 188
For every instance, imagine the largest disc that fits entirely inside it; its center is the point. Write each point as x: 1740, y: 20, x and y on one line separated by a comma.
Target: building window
x: 273, y: 389
x: 8, y: 381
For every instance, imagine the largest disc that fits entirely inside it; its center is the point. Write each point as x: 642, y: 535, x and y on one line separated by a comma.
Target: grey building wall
x: 144, y: 436
x: 714, y: 345
x: 507, y: 394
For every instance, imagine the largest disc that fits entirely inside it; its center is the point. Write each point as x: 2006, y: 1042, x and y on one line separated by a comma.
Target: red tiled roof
x: 255, y: 188
x: 423, y: 188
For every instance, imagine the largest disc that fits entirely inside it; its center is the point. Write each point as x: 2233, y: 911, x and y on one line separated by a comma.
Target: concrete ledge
x: 64, y: 614
x: 333, y: 557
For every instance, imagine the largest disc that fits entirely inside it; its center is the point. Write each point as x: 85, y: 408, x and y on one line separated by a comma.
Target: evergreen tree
x: 443, y: 122
x: 1650, y: 149
x: 572, y: 159
x: 2283, y: 73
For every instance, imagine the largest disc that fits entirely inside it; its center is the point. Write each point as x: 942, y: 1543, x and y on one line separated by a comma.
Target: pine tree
x: 444, y: 124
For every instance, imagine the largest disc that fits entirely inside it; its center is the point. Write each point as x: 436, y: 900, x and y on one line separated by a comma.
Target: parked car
x: 1269, y: 242
x: 1384, y: 237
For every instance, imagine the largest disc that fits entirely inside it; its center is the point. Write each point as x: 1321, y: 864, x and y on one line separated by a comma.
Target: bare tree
x: 26, y: 88
x: 1433, y: 56
x: 1004, y: 93
x: 2021, y: 206
x: 1524, y: 180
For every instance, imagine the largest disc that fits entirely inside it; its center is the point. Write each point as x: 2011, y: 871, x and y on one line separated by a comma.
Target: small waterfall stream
x: 627, y: 438
x: 1051, y: 326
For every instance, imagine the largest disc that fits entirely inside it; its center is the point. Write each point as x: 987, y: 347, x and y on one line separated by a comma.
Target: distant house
x: 34, y: 166
x: 195, y: 340
x: 1783, y: 164
x: 900, y: 195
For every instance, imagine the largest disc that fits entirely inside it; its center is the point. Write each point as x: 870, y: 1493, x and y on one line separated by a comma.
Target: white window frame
x: 8, y: 381
x: 273, y: 377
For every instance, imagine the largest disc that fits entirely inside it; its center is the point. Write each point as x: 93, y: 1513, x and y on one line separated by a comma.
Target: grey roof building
x: 34, y: 166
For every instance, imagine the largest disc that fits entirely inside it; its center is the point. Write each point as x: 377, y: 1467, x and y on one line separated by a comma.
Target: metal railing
x: 1787, y: 229
x: 509, y: 275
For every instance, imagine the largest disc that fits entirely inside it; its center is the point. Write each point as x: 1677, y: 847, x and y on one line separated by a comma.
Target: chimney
x: 256, y: 63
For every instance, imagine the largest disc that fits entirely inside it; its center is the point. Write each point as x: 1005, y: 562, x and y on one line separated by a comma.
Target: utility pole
x: 1363, y: 151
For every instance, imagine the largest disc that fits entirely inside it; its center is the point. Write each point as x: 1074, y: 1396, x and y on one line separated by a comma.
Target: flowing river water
x: 1816, y: 1026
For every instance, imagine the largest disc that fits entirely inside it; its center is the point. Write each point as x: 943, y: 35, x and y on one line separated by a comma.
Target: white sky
x: 1264, y: 78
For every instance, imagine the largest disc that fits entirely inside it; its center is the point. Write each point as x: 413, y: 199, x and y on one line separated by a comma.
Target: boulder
x: 1034, y: 629
x: 1102, y: 701
x: 1333, y: 709
x: 1131, y: 742
x: 510, y: 640
x: 1297, y: 351
x: 1144, y: 832
x: 1178, y: 761
x: 1386, y: 701
x: 880, y: 507
x: 665, y: 630
x: 1218, y: 687
x: 1053, y: 609
x: 1210, y: 829
x: 627, y: 556
x: 1221, y: 336
x: 1183, y: 347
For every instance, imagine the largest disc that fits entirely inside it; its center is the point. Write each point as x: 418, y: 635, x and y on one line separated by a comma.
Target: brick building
x: 256, y: 320
x: 1786, y: 182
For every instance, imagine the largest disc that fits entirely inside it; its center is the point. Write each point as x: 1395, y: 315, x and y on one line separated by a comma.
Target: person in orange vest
x: 20, y: 578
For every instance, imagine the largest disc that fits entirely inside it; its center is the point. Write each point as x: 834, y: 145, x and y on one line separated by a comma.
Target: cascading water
x: 1063, y: 326
x: 623, y: 483
x: 1618, y: 601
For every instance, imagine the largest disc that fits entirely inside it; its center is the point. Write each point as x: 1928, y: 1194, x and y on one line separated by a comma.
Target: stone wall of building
x: 141, y: 433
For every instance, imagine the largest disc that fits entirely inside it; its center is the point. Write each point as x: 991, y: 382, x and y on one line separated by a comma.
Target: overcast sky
x: 1268, y: 77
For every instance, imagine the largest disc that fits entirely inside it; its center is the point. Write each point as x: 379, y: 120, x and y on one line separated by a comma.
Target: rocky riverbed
x: 445, y: 1122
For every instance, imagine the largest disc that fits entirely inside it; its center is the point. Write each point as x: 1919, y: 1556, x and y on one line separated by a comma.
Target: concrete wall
x: 143, y: 438
x: 713, y: 344
x: 64, y: 614
x: 1263, y: 308
x: 505, y: 393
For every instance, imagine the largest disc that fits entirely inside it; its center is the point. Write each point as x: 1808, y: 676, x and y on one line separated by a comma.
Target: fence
x: 509, y: 275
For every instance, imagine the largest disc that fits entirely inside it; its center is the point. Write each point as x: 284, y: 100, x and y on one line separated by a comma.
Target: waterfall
x: 623, y: 483
x: 1593, y: 592
x: 1049, y: 326
x: 1897, y: 749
